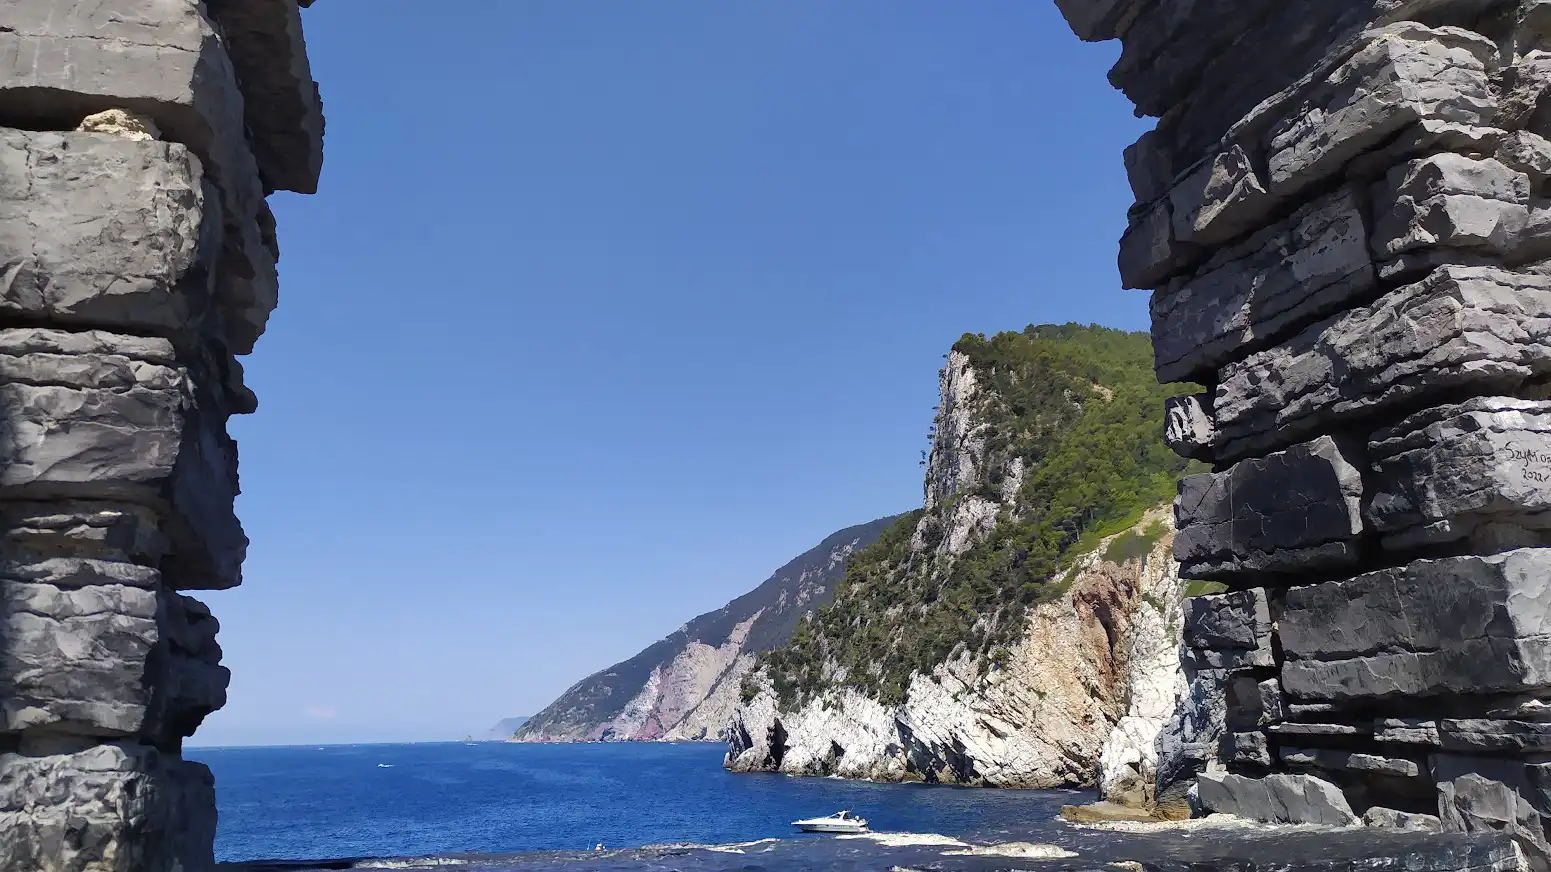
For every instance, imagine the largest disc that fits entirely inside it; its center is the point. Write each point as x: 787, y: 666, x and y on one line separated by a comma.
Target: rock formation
x: 138, y: 141
x: 1343, y: 217
x: 1082, y: 686
x: 685, y: 687
x: 1081, y: 699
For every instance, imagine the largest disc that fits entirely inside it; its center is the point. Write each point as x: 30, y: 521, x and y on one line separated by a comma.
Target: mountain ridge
x: 683, y: 687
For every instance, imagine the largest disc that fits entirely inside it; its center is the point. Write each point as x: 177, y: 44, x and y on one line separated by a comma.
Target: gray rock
x: 96, y: 656
x: 1313, y: 263
x: 96, y: 415
x: 1187, y: 426
x: 1253, y: 704
x: 1534, y: 242
x: 1405, y: 74
x: 1493, y: 665
x: 77, y: 658
x: 111, y: 808
x: 1523, y: 707
x: 1296, y: 509
x: 98, y: 229
x: 284, y: 112
x: 1191, y: 738
x: 1534, y: 23
x: 1528, y: 153
x: 1406, y: 731
x: 1480, y: 794
x: 1236, y: 624
x: 1096, y: 20
x: 1221, y: 199
x: 1213, y: 61
x: 1309, y: 711
x: 1476, y: 329
x: 1346, y: 761
x: 137, y: 258
x: 1149, y: 254
x: 1427, y: 137
x: 1427, y: 605
x: 1250, y: 749
x: 1444, y: 473
x: 1288, y: 799
x: 1452, y: 201
x: 111, y: 532
x: 1148, y: 168
x: 1524, y: 85
x: 1484, y: 736
x: 1285, y: 730
x: 169, y: 64
x: 1456, y: 625
x: 1389, y: 818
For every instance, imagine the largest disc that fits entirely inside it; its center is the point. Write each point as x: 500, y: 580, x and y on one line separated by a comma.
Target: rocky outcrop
x: 138, y: 140
x: 1342, y: 217
x: 1081, y: 699
x: 1084, y: 690
x: 687, y: 686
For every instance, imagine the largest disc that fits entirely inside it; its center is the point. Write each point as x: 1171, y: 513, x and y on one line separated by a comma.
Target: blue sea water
x: 494, y: 798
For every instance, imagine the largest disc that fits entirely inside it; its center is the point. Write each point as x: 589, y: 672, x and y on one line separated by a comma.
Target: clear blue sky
x: 605, y: 310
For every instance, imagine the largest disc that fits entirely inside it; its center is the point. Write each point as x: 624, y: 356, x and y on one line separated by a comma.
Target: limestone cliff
x: 686, y: 686
x: 945, y: 658
x: 1043, y: 718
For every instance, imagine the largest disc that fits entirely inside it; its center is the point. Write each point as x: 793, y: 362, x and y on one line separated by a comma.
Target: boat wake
x: 1020, y: 850
x: 740, y: 847
x: 909, y: 840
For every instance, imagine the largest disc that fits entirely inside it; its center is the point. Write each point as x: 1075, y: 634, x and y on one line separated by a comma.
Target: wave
x: 738, y: 847
x: 1021, y: 850
x: 909, y: 840
x: 417, y: 863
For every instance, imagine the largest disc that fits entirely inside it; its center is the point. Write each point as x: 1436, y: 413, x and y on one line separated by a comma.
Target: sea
x: 496, y: 807
x: 494, y: 798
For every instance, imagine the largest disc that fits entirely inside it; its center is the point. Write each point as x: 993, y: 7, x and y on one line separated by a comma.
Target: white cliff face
x: 1128, y: 763
x: 957, y: 465
x: 1092, y: 677
x: 707, y: 721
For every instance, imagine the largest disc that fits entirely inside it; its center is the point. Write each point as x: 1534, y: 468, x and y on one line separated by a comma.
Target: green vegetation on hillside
x: 1082, y: 409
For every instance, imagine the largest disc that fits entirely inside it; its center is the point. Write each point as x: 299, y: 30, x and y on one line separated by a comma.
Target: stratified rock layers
x: 138, y: 141
x: 1343, y: 218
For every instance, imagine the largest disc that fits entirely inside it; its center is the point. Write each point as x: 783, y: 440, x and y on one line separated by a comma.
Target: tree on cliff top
x: 1082, y: 409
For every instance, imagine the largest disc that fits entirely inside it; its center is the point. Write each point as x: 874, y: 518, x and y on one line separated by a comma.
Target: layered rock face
x: 138, y: 141
x: 1342, y: 215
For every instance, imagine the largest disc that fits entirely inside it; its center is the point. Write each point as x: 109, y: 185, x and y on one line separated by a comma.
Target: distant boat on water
x: 840, y: 822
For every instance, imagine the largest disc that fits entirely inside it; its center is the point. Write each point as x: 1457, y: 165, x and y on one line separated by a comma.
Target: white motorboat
x: 839, y: 822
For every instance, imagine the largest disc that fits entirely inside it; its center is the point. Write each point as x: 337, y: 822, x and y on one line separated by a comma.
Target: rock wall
x: 138, y: 141
x: 1343, y: 217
